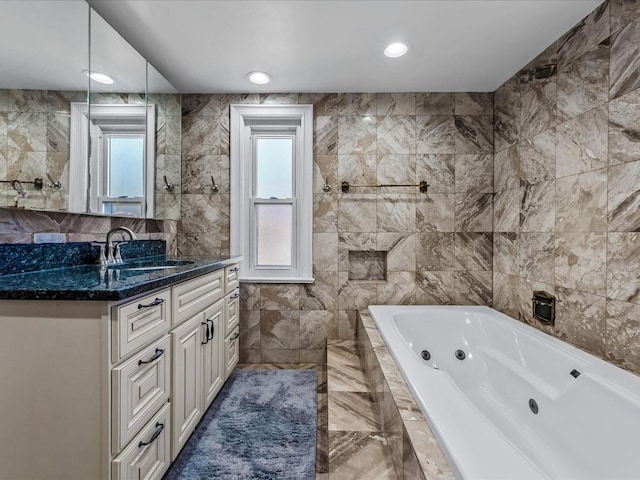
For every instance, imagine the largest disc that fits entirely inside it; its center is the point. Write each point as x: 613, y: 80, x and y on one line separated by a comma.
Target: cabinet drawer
x: 138, y: 322
x: 195, y: 295
x: 147, y: 457
x: 231, y: 281
x: 140, y: 387
x: 231, y: 352
x: 232, y: 304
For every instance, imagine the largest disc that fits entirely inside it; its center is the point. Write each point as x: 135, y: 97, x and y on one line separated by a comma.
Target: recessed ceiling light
x: 99, y: 77
x: 396, y: 49
x: 259, y: 78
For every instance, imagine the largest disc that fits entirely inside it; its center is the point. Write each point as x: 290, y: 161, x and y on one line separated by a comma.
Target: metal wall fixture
x: 326, y: 188
x: 423, y: 186
x: 215, y: 188
x: 56, y: 185
x: 37, y: 183
x: 169, y: 187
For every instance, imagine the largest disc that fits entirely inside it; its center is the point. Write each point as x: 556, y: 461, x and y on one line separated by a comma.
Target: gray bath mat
x: 262, y: 426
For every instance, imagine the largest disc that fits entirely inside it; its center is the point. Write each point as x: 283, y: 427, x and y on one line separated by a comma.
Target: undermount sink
x: 154, y: 265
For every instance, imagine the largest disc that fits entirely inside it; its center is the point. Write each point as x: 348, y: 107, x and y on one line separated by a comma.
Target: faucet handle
x: 117, y: 256
x: 103, y: 252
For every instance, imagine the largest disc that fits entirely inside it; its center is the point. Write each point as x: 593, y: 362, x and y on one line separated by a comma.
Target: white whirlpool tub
x: 481, y: 408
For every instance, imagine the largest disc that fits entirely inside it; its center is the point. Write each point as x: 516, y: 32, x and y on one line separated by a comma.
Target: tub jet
x: 533, y: 405
x: 460, y: 355
x: 426, y: 355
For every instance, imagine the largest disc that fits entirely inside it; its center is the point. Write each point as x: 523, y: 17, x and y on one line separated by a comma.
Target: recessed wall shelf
x: 370, y: 265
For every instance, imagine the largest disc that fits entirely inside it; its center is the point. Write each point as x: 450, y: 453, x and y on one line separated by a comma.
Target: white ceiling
x: 336, y: 46
x: 44, y: 45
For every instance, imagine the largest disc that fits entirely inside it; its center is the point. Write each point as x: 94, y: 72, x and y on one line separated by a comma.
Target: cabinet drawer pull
x: 236, y: 335
x: 234, y: 269
x: 212, y: 326
x: 207, y: 333
x: 235, y: 295
x: 157, y: 301
x: 156, y: 434
x: 156, y: 356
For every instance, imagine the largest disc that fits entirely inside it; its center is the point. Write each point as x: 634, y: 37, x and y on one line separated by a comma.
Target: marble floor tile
x: 359, y: 456
x: 352, y: 411
x: 345, y: 378
x: 322, y: 451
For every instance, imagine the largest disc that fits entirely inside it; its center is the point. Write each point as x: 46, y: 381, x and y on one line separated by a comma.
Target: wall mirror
x: 105, y: 145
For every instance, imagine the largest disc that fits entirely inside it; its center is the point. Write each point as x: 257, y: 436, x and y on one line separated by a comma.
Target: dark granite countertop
x: 91, y: 282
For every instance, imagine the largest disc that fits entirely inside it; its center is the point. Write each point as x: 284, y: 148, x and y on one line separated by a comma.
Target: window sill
x: 277, y: 280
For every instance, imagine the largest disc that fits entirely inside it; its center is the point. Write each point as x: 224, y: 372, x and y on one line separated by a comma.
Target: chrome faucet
x: 113, y: 249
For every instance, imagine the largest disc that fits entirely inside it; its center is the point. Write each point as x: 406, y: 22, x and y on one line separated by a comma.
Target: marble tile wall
x: 439, y: 245
x: 34, y: 142
x: 567, y: 183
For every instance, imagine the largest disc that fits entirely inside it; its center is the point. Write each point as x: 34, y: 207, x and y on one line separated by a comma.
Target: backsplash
x: 567, y: 181
x: 27, y: 257
x: 439, y: 244
x: 19, y: 226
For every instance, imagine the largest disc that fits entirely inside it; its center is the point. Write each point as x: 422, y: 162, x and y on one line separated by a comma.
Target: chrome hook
x: 169, y: 187
x: 55, y: 185
x: 214, y: 186
x: 326, y: 187
x: 17, y: 186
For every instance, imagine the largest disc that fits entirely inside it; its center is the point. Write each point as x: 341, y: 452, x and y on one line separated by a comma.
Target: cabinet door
x: 232, y: 315
x: 212, y: 354
x: 231, y: 351
x: 186, y: 344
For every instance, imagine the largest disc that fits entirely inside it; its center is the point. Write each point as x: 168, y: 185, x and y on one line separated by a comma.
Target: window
x: 121, y: 184
x: 271, y: 191
x: 112, y: 159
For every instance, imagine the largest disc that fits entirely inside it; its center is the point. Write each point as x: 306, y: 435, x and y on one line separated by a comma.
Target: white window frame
x: 104, y: 164
x: 246, y: 122
x: 85, y: 135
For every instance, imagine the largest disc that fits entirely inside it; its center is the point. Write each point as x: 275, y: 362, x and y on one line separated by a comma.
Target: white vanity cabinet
x: 187, y: 408
x: 231, y: 344
x: 99, y: 390
x: 201, y: 345
x: 213, y: 355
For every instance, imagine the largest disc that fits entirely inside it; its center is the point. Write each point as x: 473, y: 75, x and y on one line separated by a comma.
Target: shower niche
x: 370, y: 265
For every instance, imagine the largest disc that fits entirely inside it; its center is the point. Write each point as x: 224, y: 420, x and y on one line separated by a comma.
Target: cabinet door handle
x: 236, y: 335
x: 212, y: 326
x: 156, y: 356
x: 207, y: 325
x: 157, y: 301
x: 156, y: 434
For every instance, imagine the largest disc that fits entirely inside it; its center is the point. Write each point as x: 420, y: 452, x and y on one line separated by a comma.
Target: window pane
x: 274, y: 167
x: 274, y: 234
x: 126, y: 167
x: 126, y: 209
